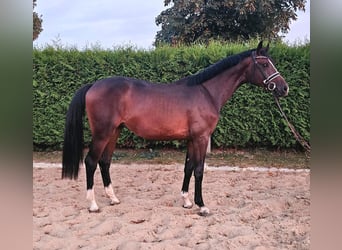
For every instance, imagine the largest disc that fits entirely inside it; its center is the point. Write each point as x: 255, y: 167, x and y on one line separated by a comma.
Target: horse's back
x: 112, y: 85
x: 142, y: 91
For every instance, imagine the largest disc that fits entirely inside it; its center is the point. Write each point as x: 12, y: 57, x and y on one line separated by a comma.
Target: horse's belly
x: 159, y: 128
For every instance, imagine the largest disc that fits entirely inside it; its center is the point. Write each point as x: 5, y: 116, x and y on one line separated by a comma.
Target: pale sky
x: 111, y: 23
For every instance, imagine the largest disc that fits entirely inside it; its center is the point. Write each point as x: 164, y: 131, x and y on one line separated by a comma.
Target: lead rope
x: 298, y: 137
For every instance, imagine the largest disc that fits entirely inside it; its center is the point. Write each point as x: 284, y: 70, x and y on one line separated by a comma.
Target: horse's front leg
x: 200, y: 146
x: 188, y: 169
x: 194, y: 162
x: 198, y: 189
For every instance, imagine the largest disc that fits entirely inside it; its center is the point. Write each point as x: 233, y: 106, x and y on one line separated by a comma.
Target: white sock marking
x: 91, y: 197
x: 110, y: 193
x: 187, y: 202
x: 204, y: 211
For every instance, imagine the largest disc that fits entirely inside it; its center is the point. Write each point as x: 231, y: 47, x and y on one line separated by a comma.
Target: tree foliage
x: 187, y: 21
x: 37, y: 22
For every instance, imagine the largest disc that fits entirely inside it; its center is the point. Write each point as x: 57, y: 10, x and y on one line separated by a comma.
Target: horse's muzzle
x: 281, y: 91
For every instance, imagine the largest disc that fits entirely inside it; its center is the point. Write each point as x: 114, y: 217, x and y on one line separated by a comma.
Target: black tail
x: 73, y: 135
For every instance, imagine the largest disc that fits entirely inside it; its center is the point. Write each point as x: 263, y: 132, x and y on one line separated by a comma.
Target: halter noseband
x: 268, y: 79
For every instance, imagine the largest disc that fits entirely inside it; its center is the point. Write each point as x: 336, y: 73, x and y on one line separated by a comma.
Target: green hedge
x: 249, y: 119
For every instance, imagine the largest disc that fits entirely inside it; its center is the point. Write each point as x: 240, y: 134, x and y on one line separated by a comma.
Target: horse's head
x: 262, y: 72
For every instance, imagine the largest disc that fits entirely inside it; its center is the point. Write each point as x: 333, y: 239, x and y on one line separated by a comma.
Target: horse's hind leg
x: 104, y: 163
x: 100, y: 140
x: 91, y: 161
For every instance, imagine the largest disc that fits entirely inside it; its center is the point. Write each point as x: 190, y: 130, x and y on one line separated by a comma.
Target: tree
x: 37, y: 22
x: 187, y: 21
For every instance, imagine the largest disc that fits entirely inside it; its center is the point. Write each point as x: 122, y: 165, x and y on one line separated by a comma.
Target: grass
x: 227, y: 157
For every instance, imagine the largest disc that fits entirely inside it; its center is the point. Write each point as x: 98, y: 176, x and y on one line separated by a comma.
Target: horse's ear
x: 267, y: 47
x: 259, y: 48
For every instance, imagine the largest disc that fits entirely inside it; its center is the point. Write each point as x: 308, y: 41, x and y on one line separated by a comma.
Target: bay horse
x: 185, y: 109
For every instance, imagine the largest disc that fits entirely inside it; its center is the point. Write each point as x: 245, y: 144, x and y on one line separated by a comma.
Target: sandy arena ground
x: 249, y: 210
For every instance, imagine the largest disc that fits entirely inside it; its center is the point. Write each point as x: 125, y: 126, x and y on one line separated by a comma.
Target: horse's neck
x: 223, y: 86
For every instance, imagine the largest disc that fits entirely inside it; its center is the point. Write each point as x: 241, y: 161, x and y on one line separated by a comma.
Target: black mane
x: 216, y: 68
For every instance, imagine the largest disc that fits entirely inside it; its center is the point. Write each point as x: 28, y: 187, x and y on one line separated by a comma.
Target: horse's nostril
x: 285, y: 88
